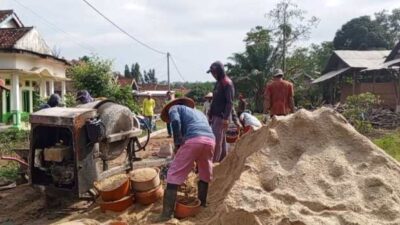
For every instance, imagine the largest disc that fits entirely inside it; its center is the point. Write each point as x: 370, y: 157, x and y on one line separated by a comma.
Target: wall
x: 386, y: 92
x: 7, y: 61
x: 32, y: 41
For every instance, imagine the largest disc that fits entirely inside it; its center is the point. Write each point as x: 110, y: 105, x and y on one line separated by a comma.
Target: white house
x: 26, y: 66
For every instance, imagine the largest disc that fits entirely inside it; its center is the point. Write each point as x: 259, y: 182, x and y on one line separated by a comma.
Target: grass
x: 390, y: 143
x: 9, y: 171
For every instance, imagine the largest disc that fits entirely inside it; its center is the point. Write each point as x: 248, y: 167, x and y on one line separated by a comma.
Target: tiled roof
x: 4, y: 14
x: 9, y: 36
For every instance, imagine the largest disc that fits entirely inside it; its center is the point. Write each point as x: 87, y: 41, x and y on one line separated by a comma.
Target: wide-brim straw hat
x: 209, y: 95
x: 178, y: 101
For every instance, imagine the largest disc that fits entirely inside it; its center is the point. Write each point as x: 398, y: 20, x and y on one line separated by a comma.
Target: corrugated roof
x: 9, y: 36
x: 330, y: 75
x: 4, y: 14
x: 362, y: 59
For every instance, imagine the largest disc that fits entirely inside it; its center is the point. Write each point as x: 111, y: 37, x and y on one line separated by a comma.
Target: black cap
x: 215, y: 65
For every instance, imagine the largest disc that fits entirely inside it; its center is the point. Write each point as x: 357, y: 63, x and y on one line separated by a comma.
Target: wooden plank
x: 123, y: 135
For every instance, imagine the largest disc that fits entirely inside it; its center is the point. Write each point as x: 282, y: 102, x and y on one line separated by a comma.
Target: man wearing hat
x: 195, y: 142
x: 221, y: 108
x: 278, y: 96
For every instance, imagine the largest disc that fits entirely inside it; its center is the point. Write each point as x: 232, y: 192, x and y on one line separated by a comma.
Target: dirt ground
x: 26, y: 205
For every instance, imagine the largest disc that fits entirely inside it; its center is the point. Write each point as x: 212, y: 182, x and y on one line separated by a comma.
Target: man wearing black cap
x: 221, y: 108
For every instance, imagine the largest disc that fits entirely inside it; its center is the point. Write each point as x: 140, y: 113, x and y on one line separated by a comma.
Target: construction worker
x: 148, y: 109
x: 221, y: 108
x: 278, y: 96
x: 194, y: 142
x: 83, y: 97
x: 54, y: 101
x: 249, y: 121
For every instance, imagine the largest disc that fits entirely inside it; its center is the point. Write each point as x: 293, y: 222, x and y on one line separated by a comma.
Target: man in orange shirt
x: 278, y: 96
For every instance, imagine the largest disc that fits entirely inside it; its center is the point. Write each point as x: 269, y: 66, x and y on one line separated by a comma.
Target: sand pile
x: 307, y: 168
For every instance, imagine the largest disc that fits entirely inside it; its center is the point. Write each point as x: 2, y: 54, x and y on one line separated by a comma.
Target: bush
x: 11, y: 138
x: 123, y: 96
x: 357, y: 109
x: 95, y: 75
x: 69, y: 100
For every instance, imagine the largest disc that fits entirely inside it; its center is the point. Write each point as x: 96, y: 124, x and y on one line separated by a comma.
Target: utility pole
x: 169, y: 84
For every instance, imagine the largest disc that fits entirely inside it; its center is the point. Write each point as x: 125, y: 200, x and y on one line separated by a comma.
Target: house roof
x: 362, y: 59
x: 153, y: 87
x: 153, y: 93
x: 330, y: 75
x: 10, y: 36
x: 395, y: 51
x: 4, y: 14
x: 125, y: 81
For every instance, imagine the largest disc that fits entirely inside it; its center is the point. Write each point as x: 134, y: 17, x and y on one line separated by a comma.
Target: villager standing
x: 221, y: 108
x: 278, y: 96
x: 195, y: 142
x: 148, y: 109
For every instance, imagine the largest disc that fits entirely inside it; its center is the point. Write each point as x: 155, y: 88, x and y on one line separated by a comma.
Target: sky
x: 196, y: 33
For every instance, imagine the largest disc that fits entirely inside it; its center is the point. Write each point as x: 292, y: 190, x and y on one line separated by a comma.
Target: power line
x: 56, y: 28
x: 176, y: 68
x: 123, y: 31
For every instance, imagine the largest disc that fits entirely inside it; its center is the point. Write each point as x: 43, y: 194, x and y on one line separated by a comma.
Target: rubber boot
x: 169, y: 202
x: 202, y: 190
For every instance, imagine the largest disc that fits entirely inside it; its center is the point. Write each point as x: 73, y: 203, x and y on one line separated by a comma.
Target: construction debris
x: 384, y: 118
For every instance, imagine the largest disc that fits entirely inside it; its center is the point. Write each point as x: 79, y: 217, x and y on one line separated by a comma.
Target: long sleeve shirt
x: 222, y: 103
x: 188, y: 123
x: 278, y: 97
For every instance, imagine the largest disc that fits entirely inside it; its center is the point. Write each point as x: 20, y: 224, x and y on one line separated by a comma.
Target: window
x: 8, y: 82
x: 8, y: 101
x: 27, y: 83
x: 25, y: 101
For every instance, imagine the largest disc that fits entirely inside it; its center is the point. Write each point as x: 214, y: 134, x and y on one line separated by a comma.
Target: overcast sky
x: 196, y: 33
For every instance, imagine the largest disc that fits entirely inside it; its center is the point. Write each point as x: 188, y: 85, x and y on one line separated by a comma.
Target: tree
x: 136, y: 74
x: 361, y: 33
x: 251, y: 69
x: 146, y: 77
x: 310, y: 61
x: 198, y: 90
x: 390, y: 23
x: 127, y: 73
x: 152, y: 76
x: 94, y: 74
x: 289, y: 24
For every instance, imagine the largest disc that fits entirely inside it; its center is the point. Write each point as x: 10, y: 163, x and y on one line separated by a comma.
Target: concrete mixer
x: 70, y: 148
